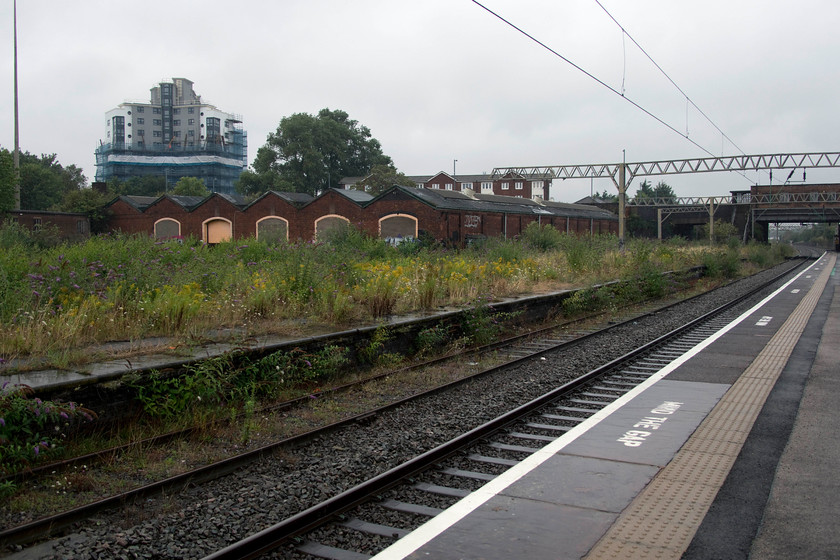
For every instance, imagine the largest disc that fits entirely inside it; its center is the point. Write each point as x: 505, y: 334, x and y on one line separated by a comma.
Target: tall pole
x: 622, y: 193
x: 17, y: 136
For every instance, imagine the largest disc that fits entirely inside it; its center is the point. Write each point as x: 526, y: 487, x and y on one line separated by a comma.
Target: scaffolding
x: 218, y: 163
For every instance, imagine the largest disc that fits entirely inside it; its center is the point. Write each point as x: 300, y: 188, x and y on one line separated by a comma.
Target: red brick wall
x: 127, y: 219
x: 452, y: 227
x: 269, y: 205
x: 330, y: 203
x: 71, y: 226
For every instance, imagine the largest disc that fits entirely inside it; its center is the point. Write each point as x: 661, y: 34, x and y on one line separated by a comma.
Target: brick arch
x: 329, y: 222
x: 217, y: 230
x: 166, y: 228
x: 273, y: 229
x: 398, y: 225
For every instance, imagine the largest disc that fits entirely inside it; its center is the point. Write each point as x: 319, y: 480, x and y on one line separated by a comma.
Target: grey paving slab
x: 499, y: 531
x: 583, y: 482
x: 644, y: 431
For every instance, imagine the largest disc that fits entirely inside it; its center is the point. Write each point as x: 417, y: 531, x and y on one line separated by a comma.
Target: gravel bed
x: 203, y: 519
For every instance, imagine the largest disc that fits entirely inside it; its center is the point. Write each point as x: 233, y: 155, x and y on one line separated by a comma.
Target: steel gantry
x: 623, y: 173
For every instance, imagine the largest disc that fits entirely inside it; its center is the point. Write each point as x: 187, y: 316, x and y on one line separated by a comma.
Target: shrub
x: 542, y: 238
x: 432, y: 339
x: 31, y: 429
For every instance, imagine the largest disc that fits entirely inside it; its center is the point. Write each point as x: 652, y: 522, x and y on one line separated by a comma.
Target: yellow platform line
x: 663, y: 519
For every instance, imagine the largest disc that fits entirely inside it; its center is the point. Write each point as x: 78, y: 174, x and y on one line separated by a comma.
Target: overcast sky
x: 440, y: 80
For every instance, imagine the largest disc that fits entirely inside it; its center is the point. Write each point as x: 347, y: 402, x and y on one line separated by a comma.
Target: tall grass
x: 56, y: 299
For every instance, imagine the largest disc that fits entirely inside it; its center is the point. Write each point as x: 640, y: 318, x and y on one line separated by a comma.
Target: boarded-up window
x: 167, y: 228
x: 272, y: 230
x: 218, y: 231
x: 394, y: 227
x: 328, y: 224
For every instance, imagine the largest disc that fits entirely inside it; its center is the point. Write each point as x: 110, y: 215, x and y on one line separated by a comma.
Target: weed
x: 432, y: 340
x: 374, y: 349
x: 31, y: 429
x: 481, y: 324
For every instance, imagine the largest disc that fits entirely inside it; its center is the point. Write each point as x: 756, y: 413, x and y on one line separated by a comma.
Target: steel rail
x: 88, y: 458
x: 47, y: 526
x: 272, y: 537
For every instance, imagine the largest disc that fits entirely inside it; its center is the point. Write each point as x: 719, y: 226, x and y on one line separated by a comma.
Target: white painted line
x: 796, y: 291
x: 437, y: 525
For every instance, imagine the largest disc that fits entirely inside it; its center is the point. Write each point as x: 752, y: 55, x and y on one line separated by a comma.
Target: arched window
x: 272, y: 229
x: 397, y: 227
x: 166, y: 228
x: 217, y: 230
x: 329, y: 223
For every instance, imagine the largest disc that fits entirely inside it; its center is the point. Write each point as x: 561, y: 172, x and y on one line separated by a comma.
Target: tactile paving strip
x: 663, y: 519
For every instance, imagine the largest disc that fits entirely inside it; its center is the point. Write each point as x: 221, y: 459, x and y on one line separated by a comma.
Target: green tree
x: 607, y: 196
x: 7, y: 180
x: 381, y: 178
x: 190, y: 186
x: 149, y: 185
x: 662, y: 190
x: 44, y: 181
x: 251, y: 183
x: 90, y: 202
x: 312, y: 152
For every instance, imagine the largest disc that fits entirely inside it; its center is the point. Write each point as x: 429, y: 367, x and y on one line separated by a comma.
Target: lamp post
x: 17, y: 137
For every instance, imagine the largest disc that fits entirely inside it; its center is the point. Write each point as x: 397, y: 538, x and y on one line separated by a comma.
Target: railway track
x: 507, y: 351
x: 515, y: 350
x: 364, y: 520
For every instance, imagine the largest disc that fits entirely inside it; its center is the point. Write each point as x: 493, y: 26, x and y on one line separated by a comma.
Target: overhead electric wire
x: 598, y: 80
x: 664, y: 73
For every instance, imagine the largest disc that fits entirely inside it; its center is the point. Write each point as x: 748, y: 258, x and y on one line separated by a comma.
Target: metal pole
x: 17, y: 136
x: 659, y: 223
x: 622, y: 190
x: 711, y: 221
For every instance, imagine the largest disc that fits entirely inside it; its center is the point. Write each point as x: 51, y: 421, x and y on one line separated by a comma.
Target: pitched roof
x: 454, y: 200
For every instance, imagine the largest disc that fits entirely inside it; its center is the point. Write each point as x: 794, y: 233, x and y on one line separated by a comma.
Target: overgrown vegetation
x: 221, y: 382
x: 32, y: 429
x: 56, y: 300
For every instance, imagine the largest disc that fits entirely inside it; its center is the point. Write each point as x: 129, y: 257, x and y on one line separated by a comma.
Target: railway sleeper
x: 613, y: 389
x: 468, y: 474
x: 441, y: 490
x: 600, y: 404
x: 405, y: 507
x: 330, y: 552
x: 574, y: 419
x: 373, y: 528
x: 588, y: 411
x: 552, y: 427
x: 509, y: 447
x: 531, y: 437
x: 492, y: 460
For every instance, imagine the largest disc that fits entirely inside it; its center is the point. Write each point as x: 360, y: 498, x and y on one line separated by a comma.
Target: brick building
x: 400, y: 212
x: 511, y: 184
x: 69, y: 226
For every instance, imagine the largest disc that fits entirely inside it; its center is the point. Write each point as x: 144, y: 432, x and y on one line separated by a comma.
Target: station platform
x: 728, y: 452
